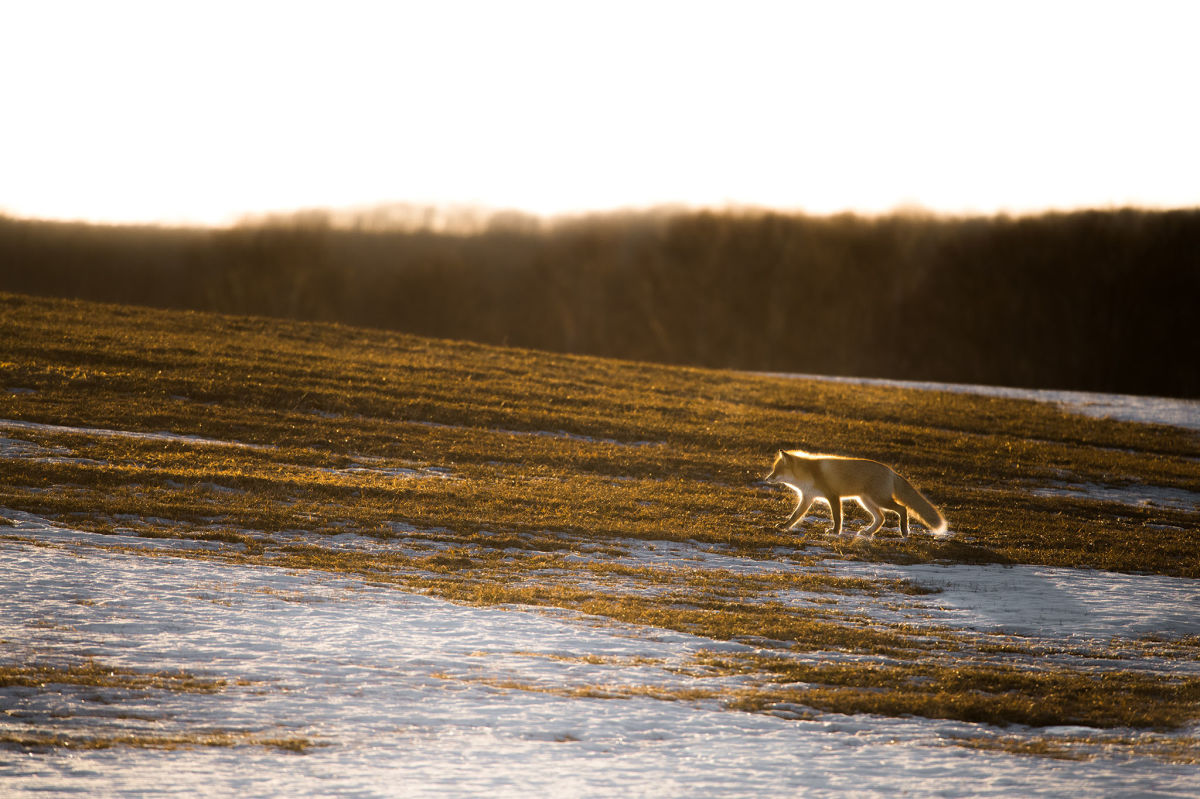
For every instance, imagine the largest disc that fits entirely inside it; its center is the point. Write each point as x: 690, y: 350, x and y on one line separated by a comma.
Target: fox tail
x: 903, y: 492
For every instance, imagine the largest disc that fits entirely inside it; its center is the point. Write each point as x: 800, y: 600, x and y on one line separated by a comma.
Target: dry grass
x: 34, y: 742
x: 1173, y: 749
x: 100, y: 675
x: 1000, y: 695
x: 503, y: 476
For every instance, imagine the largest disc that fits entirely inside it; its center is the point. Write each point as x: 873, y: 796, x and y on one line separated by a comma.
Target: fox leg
x: 876, y: 516
x: 903, y: 513
x: 801, y: 510
x: 835, y: 508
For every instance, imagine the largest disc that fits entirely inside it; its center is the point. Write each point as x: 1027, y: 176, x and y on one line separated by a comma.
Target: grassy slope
x: 545, y: 456
x: 335, y: 393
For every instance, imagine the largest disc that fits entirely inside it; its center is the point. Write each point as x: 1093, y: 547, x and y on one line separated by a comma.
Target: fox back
x: 846, y: 477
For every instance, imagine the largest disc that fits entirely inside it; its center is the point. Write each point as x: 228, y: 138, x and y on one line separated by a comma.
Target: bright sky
x: 201, y: 111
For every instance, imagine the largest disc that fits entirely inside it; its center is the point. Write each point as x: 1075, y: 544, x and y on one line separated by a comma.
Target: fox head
x: 779, y: 468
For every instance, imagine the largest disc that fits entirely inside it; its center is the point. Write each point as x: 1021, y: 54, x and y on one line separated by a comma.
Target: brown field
x: 517, y: 477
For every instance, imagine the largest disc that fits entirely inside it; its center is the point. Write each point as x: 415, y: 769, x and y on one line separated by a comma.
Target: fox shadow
x: 890, y: 546
x: 919, y: 548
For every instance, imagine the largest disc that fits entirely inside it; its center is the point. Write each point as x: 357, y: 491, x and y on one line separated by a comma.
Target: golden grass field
x: 507, y: 476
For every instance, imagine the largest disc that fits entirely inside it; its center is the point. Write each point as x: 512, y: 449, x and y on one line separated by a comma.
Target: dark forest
x: 1096, y: 300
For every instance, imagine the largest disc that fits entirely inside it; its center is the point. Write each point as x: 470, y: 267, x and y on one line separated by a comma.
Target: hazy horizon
x: 460, y: 218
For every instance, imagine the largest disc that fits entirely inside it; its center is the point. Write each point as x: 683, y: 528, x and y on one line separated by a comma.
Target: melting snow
x: 1137, y: 495
x: 1058, y: 605
x: 1125, y: 407
x: 407, y: 693
x: 13, y: 424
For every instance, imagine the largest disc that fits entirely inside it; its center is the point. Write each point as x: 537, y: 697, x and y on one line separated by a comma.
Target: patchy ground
x: 307, y: 559
x: 322, y: 685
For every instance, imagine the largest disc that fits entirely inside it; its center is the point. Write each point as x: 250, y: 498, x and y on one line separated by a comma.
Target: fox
x: 833, y: 478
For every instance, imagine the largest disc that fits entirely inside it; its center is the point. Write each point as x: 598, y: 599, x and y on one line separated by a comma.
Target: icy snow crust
x: 1124, y: 407
x: 402, y: 691
x: 409, y: 695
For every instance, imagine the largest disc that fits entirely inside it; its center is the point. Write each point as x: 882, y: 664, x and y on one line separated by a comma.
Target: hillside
x: 572, y: 444
x: 618, y: 491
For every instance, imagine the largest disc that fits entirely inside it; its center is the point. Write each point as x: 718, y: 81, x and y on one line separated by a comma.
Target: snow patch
x: 1135, y: 495
x: 1049, y: 603
x: 413, y: 470
x: 1183, y: 413
x: 14, y: 424
x: 415, y: 696
x: 19, y: 448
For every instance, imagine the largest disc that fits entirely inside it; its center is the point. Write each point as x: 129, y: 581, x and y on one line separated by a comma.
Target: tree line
x: 1092, y: 300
